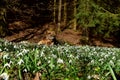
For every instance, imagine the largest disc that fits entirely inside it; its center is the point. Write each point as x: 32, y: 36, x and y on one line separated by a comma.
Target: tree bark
x: 75, y: 12
x: 59, y: 15
x: 65, y: 12
x: 54, y: 13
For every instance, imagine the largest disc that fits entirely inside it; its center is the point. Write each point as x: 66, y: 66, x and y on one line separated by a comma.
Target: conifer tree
x: 99, y: 17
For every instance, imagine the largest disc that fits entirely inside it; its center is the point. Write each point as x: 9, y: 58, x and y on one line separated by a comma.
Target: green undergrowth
x: 22, y: 61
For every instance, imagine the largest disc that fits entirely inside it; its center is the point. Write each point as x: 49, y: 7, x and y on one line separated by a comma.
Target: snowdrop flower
x: 5, y: 49
x: 106, y: 56
x: 112, y: 63
x: 39, y: 62
x: 0, y: 50
x: 7, y: 65
x: 71, y: 56
x: 20, y: 54
x: 77, y: 57
x: 15, y: 46
x: 49, y: 61
x: 5, y: 56
x: 23, y: 42
x: 42, y: 53
x: 114, y: 58
x: 70, y: 61
x: 20, y: 62
x: 96, y: 77
x: 5, y: 42
x: 92, y: 62
x: 4, y: 76
x: 59, y: 60
x: 25, y: 51
x: 89, y: 77
x: 54, y: 56
x: 25, y: 70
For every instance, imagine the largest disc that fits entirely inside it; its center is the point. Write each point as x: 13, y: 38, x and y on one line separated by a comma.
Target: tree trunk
x: 75, y: 12
x: 59, y: 15
x: 65, y: 12
x: 54, y: 13
x: 3, y: 23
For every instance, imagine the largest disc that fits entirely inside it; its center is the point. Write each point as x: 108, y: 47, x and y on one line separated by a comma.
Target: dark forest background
x: 94, y: 18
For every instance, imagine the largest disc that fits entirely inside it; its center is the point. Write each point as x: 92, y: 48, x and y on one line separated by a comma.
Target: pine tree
x: 98, y: 16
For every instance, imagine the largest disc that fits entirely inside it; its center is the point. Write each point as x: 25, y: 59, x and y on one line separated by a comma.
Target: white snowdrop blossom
x: 59, y: 60
x: 20, y: 54
x: 5, y: 56
x: 20, y: 62
x: 101, y: 60
x: 114, y: 58
x: 70, y: 61
x: 54, y: 56
x: 7, y: 65
x: 39, y: 62
x: 71, y: 56
x: 25, y: 51
x: 96, y: 77
x: 0, y: 50
x: 15, y: 46
x: 42, y: 53
x: 10, y: 62
x: 4, y: 76
x: 112, y: 63
x: 6, y: 49
x: 77, y: 57
x: 106, y: 56
x: 49, y: 61
x: 89, y: 77
x: 92, y: 62
x: 24, y: 42
x: 25, y: 70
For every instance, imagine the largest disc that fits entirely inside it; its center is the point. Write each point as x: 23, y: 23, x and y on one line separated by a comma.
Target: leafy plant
x: 58, y: 61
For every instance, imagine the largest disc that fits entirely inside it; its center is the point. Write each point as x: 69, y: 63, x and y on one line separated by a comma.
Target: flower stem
x: 112, y: 72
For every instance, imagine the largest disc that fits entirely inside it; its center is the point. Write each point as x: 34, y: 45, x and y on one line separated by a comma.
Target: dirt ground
x: 47, y: 34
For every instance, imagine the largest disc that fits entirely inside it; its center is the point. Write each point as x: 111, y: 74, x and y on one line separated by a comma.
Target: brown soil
x: 24, y: 32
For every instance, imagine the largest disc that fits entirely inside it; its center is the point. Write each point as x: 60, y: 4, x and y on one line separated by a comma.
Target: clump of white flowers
x: 6, y: 56
x: 7, y: 65
x: 4, y: 76
x: 20, y: 62
x: 60, y: 61
x: 51, y: 59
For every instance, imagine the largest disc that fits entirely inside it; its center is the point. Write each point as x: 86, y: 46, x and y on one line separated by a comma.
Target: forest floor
x: 21, y: 32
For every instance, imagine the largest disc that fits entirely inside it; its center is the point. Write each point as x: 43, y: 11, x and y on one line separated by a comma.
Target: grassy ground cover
x: 21, y: 61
